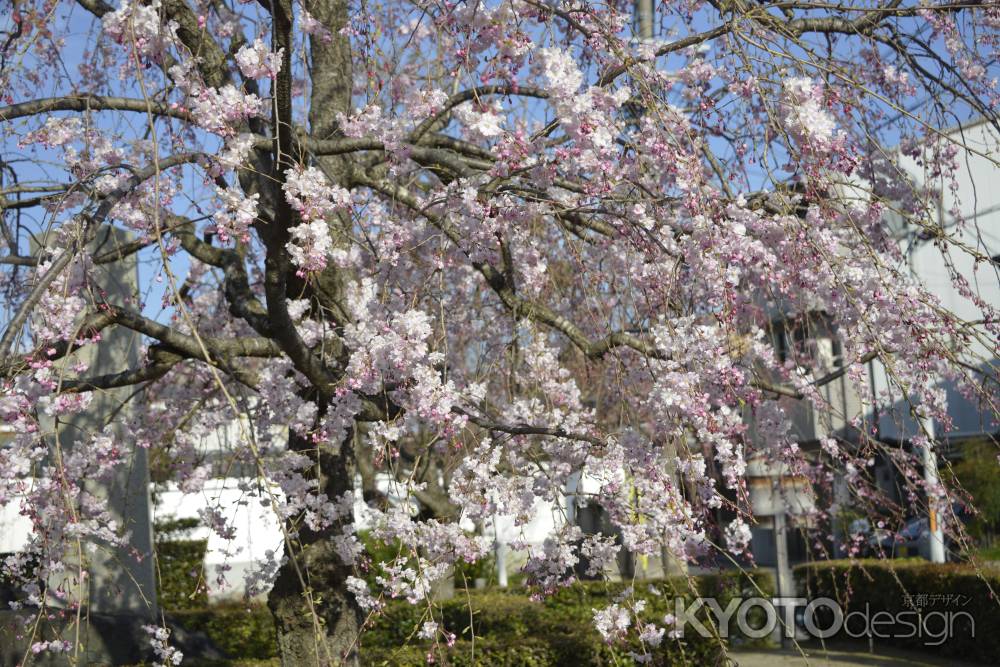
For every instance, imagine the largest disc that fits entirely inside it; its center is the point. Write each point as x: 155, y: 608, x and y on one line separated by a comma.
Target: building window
x: 808, y: 340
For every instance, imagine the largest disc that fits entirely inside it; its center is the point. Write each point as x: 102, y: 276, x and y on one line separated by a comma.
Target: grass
x: 989, y: 553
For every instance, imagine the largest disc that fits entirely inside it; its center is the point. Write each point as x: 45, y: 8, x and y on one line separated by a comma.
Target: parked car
x: 911, y: 540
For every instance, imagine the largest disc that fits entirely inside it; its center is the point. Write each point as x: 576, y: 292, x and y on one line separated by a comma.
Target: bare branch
x: 90, y: 103
x: 527, y: 429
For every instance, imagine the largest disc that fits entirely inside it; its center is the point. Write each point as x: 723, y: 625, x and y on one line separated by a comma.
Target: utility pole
x: 931, y: 482
x: 928, y: 456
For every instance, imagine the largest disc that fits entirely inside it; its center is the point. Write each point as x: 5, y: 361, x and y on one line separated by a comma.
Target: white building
x: 976, y: 200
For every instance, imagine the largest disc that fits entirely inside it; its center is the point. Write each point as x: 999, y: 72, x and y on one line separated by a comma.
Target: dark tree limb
x: 90, y: 103
x: 79, y: 242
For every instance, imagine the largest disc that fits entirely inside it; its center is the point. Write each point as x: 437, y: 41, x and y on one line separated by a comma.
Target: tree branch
x: 90, y: 103
x: 91, y: 224
x: 520, y: 306
x: 527, y: 429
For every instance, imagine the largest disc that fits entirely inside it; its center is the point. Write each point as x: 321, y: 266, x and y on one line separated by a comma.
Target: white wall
x: 256, y: 529
x: 978, y: 200
x: 15, y: 529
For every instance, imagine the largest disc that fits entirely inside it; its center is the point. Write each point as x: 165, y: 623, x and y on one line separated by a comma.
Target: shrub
x: 180, y: 566
x: 499, y: 626
x: 979, y: 474
x: 920, y: 588
x: 510, y: 628
x: 240, y: 631
x: 484, y: 653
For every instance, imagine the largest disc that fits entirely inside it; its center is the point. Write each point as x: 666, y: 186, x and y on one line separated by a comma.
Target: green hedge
x: 525, y: 653
x: 240, y: 631
x: 899, y: 585
x: 512, y: 629
x: 180, y: 564
x: 181, y: 579
x: 507, y: 627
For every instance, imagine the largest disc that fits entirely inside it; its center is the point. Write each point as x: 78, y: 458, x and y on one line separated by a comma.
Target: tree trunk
x: 320, y: 627
x: 317, y: 619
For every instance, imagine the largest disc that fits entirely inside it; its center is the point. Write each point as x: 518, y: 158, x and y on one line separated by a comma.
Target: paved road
x: 841, y: 657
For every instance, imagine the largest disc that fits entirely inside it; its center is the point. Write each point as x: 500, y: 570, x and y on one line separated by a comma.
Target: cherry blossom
x: 431, y: 267
x: 257, y: 61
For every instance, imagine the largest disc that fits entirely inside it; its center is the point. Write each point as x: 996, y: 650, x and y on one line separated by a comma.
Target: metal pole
x: 929, y: 458
x: 931, y: 482
x: 783, y: 571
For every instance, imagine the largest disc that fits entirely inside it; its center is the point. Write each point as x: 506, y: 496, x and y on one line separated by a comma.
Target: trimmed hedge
x: 180, y: 565
x: 240, y: 631
x: 508, y: 628
x: 896, y: 586
x: 525, y: 653
x: 513, y: 630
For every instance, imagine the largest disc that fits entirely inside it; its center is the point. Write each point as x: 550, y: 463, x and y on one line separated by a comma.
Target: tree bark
x: 318, y: 622
x: 320, y: 626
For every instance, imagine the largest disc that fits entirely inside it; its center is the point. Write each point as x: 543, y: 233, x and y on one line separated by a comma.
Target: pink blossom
x: 257, y: 61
